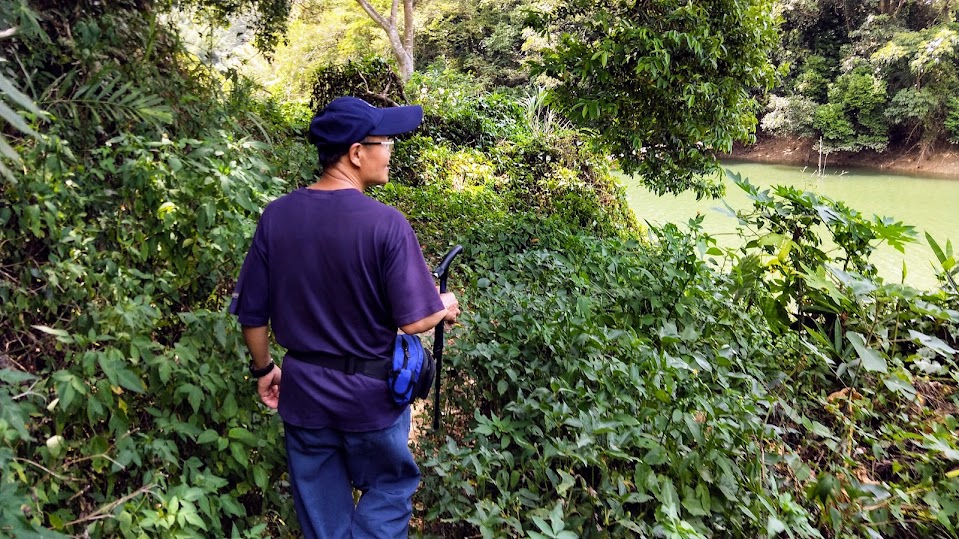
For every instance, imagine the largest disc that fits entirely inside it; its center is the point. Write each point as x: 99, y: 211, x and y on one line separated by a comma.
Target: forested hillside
x: 606, y: 379
x: 867, y: 75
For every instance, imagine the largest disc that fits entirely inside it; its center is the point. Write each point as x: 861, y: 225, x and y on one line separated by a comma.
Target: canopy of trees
x: 864, y: 75
x: 665, y: 85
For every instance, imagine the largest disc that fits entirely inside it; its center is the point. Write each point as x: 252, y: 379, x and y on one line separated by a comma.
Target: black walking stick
x: 441, y: 272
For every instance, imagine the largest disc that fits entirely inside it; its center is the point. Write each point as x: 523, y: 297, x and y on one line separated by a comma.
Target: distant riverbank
x: 942, y: 162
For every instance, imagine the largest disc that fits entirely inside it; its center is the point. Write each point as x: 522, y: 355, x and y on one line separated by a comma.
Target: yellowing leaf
x: 165, y: 208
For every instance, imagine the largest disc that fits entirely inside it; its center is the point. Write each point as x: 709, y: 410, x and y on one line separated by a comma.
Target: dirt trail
x: 941, y: 162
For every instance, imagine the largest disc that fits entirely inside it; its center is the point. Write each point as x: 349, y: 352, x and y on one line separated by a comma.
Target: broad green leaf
x: 14, y: 377
x: 207, y: 436
x: 129, y: 380
x: 871, y: 360
x: 933, y: 343
x: 935, y: 248
x: 230, y: 506
x: 261, y: 478
x: 567, y: 482
x: 165, y: 208
x: 936, y: 444
x: 897, y: 383
x: 193, y: 518
x: 771, y: 238
x: 239, y: 452
x: 655, y: 456
x: 245, y: 436
x: 542, y: 525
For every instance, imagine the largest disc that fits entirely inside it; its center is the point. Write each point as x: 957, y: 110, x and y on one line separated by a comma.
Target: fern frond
x: 7, y: 151
x: 13, y: 118
x: 10, y: 92
x: 104, y: 97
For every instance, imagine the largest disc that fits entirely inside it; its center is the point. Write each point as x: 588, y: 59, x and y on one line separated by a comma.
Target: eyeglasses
x: 387, y: 143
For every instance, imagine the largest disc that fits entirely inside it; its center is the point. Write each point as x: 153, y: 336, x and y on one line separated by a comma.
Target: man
x: 335, y: 273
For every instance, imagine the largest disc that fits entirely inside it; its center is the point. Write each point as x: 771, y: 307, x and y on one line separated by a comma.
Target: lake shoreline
x: 941, y: 162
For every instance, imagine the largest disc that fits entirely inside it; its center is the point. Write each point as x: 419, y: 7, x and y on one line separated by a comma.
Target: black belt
x: 373, y: 368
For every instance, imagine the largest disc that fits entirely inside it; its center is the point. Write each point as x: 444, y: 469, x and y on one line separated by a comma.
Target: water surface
x: 929, y: 204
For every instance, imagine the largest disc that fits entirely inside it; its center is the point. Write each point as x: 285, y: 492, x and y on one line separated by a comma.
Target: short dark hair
x: 329, y: 155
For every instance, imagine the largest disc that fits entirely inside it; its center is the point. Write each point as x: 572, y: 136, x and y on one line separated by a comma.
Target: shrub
x: 604, y: 388
x: 854, y: 117
x: 835, y: 128
x: 873, y: 403
x: 813, y: 81
x: 125, y: 411
x: 118, y: 295
x: 952, y: 120
x: 371, y: 79
x: 790, y: 116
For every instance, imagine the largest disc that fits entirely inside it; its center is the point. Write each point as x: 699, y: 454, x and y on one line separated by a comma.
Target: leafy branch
x: 104, y: 97
x: 9, y: 92
x: 946, y: 258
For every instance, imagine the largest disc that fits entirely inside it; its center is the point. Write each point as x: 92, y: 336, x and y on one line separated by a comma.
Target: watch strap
x: 260, y: 373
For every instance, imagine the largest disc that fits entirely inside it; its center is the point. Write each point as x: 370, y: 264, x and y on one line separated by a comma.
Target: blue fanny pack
x: 413, y: 370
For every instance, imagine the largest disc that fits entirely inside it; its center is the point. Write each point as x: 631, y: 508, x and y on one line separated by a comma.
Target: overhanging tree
x: 667, y: 85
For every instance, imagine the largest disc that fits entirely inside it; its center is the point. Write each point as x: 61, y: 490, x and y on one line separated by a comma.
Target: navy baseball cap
x: 347, y: 120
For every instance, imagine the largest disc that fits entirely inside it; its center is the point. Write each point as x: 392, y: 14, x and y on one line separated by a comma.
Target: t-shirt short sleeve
x: 251, y: 297
x: 409, y: 285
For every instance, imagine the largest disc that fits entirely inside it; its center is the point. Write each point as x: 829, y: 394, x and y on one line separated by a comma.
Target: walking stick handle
x: 441, y: 272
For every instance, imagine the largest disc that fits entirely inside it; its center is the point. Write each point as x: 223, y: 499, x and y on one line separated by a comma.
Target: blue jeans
x: 327, y: 464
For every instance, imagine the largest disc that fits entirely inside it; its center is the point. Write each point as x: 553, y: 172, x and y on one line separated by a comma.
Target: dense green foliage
x: 487, y: 38
x: 603, y: 382
x: 369, y: 78
x: 268, y: 18
x: 615, y: 392
x: 125, y: 406
x: 124, y: 412
x: 664, y: 88
x: 606, y: 387
x: 667, y: 85
x: 872, y: 406
x: 876, y: 73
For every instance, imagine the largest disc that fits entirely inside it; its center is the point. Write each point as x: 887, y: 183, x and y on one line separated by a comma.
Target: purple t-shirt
x: 334, y: 272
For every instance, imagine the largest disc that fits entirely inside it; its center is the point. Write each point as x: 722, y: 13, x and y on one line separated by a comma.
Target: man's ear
x: 354, y: 153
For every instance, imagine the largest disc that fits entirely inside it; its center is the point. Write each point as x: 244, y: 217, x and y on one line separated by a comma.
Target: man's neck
x: 334, y: 180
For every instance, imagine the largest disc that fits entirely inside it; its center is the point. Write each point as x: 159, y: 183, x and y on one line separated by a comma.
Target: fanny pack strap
x: 373, y: 368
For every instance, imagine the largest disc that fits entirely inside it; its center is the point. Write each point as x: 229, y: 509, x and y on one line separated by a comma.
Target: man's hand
x: 269, y: 387
x: 257, y: 340
x: 452, y: 306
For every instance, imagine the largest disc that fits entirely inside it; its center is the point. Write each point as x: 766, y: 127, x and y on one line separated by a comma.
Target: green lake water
x: 929, y: 204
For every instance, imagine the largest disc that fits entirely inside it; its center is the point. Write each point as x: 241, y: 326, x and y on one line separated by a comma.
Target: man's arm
x: 449, y: 313
x: 257, y: 340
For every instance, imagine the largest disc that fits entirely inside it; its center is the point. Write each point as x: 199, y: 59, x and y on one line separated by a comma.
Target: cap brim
x: 398, y: 120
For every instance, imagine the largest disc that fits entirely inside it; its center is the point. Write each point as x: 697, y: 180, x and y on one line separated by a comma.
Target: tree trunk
x: 402, y: 44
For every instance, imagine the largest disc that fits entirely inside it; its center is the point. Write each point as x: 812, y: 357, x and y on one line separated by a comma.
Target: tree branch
x: 104, y: 511
x: 407, y: 24
x: 375, y: 15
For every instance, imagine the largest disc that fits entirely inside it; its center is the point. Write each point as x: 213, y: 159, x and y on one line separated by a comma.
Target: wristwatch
x: 260, y: 373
